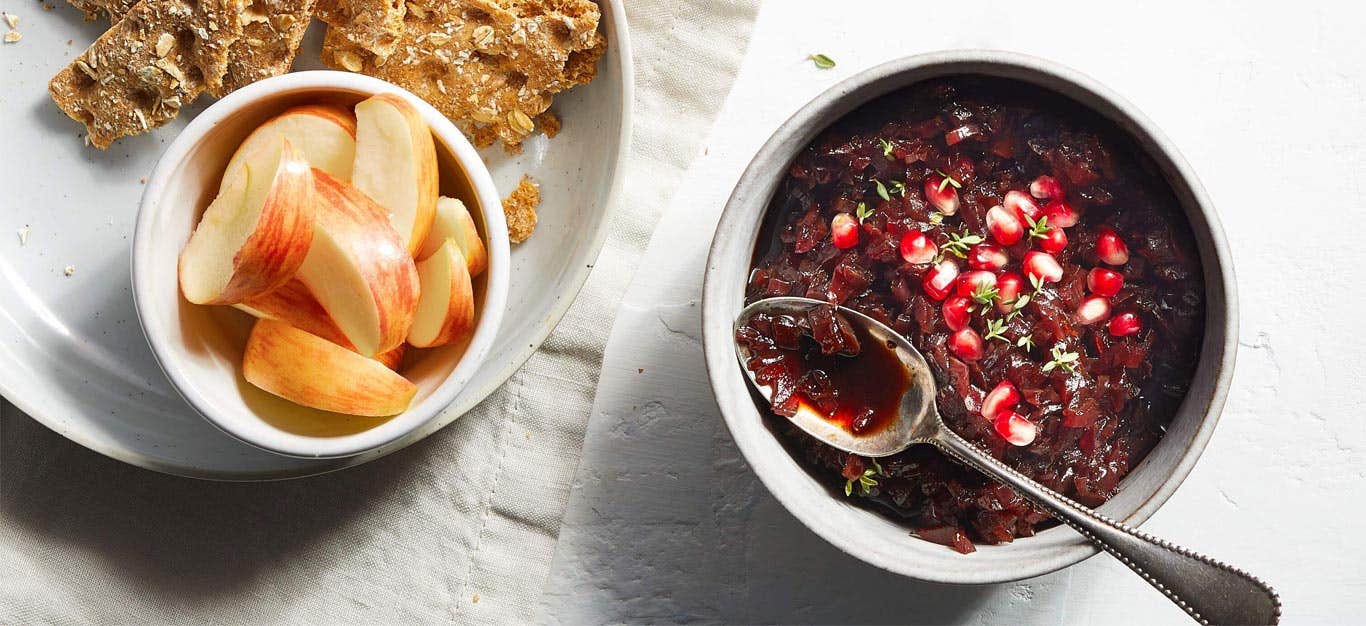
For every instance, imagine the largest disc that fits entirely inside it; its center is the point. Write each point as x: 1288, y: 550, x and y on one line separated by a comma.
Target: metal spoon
x: 1209, y: 591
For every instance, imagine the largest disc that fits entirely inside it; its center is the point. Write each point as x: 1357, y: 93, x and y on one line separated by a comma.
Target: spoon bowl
x: 918, y: 418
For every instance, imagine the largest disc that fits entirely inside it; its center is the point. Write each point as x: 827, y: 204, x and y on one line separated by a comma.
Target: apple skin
x: 453, y: 221
x: 397, y: 166
x: 393, y: 358
x: 279, y: 241
x: 451, y: 318
x: 314, y: 372
x: 324, y: 133
x: 295, y: 305
x: 359, y: 269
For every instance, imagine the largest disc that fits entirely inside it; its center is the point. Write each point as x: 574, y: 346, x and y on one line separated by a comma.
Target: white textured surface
x: 1268, y: 104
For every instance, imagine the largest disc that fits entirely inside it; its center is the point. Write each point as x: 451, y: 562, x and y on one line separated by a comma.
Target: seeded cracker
x: 520, y: 209
x: 139, y: 73
x: 373, y: 25
x: 491, y: 66
x: 271, y: 32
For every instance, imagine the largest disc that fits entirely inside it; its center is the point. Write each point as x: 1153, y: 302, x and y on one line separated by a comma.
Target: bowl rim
x: 748, y: 203
x: 492, y: 307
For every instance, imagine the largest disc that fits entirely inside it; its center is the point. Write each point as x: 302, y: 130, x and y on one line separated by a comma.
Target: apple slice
x: 324, y: 133
x: 453, y: 221
x: 358, y: 268
x: 393, y: 358
x: 396, y: 164
x: 256, y: 233
x: 312, y: 371
x: 295, y: 305
x: 445, y: 313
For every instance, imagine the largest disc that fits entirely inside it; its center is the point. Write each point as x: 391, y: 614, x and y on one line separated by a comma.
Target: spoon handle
x: 1209, y: 591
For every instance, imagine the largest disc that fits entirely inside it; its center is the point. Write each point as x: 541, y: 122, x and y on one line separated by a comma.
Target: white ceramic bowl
x: 877, y: 539
x: 200, y: 348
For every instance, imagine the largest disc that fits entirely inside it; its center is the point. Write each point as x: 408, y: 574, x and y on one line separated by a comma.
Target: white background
x: 1267, y: 102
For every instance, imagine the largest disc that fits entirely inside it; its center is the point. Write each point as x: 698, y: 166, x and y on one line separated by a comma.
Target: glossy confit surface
x: 1035, y: 257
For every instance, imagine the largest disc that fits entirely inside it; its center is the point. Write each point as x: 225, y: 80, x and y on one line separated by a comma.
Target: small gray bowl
x: 863, y: 533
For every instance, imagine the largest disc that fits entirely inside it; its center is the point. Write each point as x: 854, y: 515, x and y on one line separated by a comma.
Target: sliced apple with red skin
x: 295, y: 305
x: 324, y: 133
x: 393, y: 358
x: 453, y: 221
x: 358, y: 268
x: 256, y: 233
x: 396, y: 164
x: 445, y: 313
x: 309, y: 370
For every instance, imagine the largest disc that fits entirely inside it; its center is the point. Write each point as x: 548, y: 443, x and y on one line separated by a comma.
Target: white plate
x: 71, y: 353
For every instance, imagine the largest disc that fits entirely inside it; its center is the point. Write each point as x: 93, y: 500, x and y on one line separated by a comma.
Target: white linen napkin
x: 460, y: 527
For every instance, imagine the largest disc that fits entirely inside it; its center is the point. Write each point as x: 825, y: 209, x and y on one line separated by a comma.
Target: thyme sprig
x: 863, y: 212
x: 1037, y: 229
x: 887, y: 148
x: 948, y: 180
x: 881, y: 190
x: 1065, y: 360
x: 866, y: 481
x: 958, y: 244
x: 996, y: 329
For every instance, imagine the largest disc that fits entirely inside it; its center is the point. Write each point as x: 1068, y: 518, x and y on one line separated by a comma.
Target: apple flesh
x: 453, y: 221
x: 324, y: 133
x: 445, y: 312
x: 312, y: 371
x: 395, y: 164
x: 359, y: 269
x: 295, y: 305
x: 256, y: 233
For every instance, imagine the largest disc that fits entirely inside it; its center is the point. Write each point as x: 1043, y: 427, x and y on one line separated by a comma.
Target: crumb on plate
x: 520, y: 208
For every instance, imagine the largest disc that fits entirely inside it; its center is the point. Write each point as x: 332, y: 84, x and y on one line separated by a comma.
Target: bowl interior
x: 870, y: 536
x: 201, y: 347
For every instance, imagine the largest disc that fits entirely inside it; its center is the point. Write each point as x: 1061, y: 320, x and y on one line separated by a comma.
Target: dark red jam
x: 1034, y: 255
x: 822, y: 362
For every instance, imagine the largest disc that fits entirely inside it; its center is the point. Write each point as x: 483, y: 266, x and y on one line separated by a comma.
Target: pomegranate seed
x: 987, y: 256
x: 1042, y: 266
x: 1004, y: 227
x: 844, y: 231
x: 1060, y: 213
x: 916, y: 247
x: 1008, y: 287
x: 1046, y: 188
x: 956, y: 312
x: 1054, y: 240
x: 1103, y: 282
x: 972, y: 282
x: 939, y: 280
x: 1110, y: 248
x: 966, y: 344
x: 1014, y: 428
x: 1092, y: 310
x: 1000, y: 400
x: 1019, y: 203
x: 946, y: 200
x: 1125, y: 324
